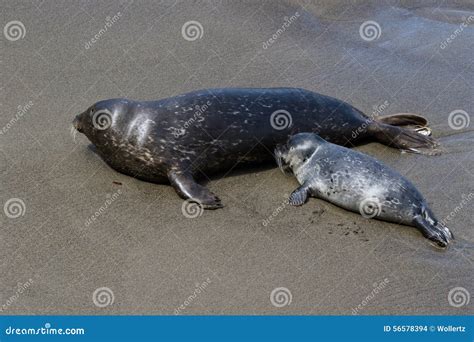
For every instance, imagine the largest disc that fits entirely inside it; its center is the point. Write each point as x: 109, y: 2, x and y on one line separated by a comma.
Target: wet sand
x: 141, y: 247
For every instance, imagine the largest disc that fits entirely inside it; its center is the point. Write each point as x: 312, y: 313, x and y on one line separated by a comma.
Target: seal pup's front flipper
x: 299, y: 196
x: 188, y: 188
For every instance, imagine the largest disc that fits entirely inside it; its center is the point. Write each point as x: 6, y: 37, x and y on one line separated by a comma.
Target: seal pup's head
x: 101, y: 117
x: 299, y: 148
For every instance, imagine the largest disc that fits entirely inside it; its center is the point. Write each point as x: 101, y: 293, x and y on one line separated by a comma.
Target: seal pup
x: 181, y: 138
x: 356, y: 182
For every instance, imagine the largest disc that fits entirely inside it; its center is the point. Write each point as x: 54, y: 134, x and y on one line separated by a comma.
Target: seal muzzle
x: 77, y: 124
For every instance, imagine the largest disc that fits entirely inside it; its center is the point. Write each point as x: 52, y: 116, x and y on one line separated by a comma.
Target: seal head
x: 96, y: 120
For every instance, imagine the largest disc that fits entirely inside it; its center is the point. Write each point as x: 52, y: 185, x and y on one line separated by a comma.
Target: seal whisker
x: 73, y: 131
x: 279, y: 162
x: 279, y: 159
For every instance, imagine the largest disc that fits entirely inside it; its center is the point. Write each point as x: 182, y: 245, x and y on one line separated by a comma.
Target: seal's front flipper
x: 299, y: 196
x: 434, y: 231
x: 187, y: 188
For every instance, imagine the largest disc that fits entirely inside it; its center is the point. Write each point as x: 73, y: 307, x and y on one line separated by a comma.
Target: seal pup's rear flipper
x: 432, y: 230
x: 187, y: 188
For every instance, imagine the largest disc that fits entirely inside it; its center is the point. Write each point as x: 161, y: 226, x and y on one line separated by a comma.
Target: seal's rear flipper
x: 434, y: 231
x: 406, y: 139
x: 403, y: 119
x: 187, y: 188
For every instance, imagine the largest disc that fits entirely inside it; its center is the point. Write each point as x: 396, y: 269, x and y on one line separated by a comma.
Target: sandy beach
x: 77, y: 237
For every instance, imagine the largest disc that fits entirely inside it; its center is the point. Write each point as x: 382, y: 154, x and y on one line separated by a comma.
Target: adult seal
x: 180, y: 138
x: 356, y: 182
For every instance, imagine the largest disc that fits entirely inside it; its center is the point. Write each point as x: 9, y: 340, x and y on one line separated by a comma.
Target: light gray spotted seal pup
x: 180, y: 139
x: 356, y: 182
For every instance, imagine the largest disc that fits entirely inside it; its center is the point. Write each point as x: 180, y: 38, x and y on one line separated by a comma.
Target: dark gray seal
x: 180, y: 138
x: 356, y: 182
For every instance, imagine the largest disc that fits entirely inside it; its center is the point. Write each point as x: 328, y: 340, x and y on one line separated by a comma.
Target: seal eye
x: 92, y: 110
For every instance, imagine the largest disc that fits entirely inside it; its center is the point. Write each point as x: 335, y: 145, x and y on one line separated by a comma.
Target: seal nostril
x: 77, y: 124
